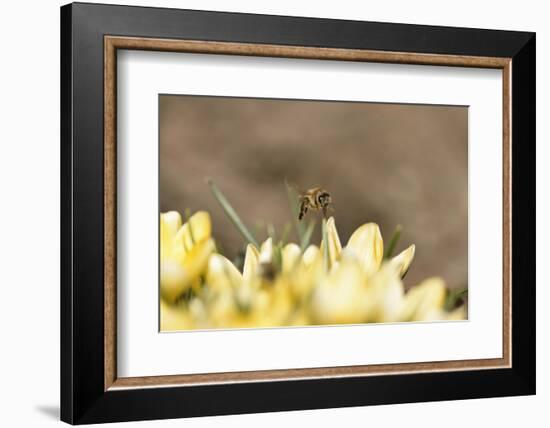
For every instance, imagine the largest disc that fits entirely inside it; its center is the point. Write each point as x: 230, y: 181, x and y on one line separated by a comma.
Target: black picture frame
x: 83, y: 397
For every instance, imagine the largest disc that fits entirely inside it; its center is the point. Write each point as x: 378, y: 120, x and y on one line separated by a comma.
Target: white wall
x: 29, y: 242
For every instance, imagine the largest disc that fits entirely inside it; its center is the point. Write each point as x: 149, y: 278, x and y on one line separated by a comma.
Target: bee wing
x: 292, y: 187
x: 303, y: 208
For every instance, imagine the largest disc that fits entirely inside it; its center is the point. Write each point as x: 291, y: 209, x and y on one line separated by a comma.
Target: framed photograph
x: 265, y: 213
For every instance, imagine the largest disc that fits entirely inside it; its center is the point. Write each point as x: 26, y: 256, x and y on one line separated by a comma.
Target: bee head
x: 324, y: 199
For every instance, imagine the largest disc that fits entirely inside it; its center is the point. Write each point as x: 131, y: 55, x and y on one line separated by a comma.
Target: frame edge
x: 524, y: 214
x: 66, y: 306
x: 78, y: 405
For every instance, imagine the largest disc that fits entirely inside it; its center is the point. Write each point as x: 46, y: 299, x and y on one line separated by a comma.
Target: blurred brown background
x: 387, y: 163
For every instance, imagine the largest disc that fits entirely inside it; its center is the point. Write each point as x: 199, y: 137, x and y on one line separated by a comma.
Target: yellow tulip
x: 340, y: 297
x: 385, y: 293
x: 334, y: 247
x: 425, y: 301
x: 457, y: 314
x: 291, y: 255
x: 221, y: 275
x: 366, y: 245
x: 266, y: 252
x: 174, y: 318
x: 184, y: 252
x: 170, y: 223
x: 307, y: 273
x: 403, y: 260
x: 196, y: 230
x: 251, y: 261
x: 285, y: 286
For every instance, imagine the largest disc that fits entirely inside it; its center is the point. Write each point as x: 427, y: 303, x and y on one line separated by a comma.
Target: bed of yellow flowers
x: 288, y: 284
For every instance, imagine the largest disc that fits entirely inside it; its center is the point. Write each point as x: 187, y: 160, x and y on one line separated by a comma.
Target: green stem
x: 271, y: 232
x: 393, y: 241
x: 304, y: 243
x: 231, y: 213
x: 286, y: 231
x: 453, y: 296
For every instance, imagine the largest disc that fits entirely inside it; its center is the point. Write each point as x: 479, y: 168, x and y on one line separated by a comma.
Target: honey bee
x: 315, y: 199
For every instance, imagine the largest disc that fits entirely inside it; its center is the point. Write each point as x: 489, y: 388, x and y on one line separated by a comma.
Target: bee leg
x: 303, y: 209
x: 325, y: 211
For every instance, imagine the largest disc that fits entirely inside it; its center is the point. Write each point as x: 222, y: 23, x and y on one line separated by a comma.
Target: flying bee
x: 315, y: 199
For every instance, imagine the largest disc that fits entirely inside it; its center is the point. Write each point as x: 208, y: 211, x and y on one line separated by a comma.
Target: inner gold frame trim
x: 113, y: 43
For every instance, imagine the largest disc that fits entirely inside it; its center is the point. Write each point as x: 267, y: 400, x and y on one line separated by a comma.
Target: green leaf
x: 271, y: 232
x: 231, y: 213
x: 393, y: 241
x: 286, y: 231
x: 454, y: 297
x: 304, y: 243
x: 278, y: 257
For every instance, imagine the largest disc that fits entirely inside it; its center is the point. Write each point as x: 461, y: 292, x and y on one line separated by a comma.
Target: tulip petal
x: 197, y: 229
x: 266, y: 252
x: 425, y: 301
x: 222, y: 275
x: 308, y: 272
x: 291, y: 254
x: 170, y: 222
x: 341, y: 297
x: 334, y: 245
x: 176, y: 277
x: 173, y: 279
x: 457, y: 314
x: 385, y: 294
x: 251, y: 261
x: 367, y: 246
x: 173, y: 318
x: 311, y: 255
x: 403, y: 260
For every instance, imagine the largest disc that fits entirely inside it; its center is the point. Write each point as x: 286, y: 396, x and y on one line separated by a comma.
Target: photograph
x: 279, y: 210
x: 294, y: 213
